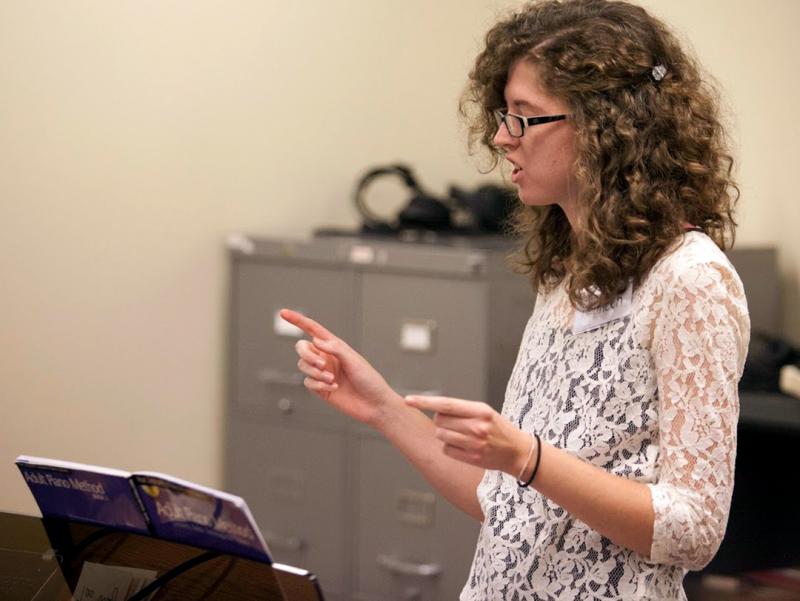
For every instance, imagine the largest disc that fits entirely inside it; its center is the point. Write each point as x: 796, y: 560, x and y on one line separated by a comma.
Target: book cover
x: 193, y: 514
x: 83, y: 493
x: 145, y: 502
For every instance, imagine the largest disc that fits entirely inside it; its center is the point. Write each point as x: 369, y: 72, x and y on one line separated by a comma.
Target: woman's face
x: 543, y: 158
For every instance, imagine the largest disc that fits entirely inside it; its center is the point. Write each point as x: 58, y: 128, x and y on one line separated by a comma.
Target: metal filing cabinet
x: 329, y: 493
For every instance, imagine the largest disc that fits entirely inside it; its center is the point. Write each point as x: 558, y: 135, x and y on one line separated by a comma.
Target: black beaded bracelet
x: 536, y: 465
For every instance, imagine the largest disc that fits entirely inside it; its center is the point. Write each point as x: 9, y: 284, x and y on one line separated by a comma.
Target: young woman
x: 609, y: 472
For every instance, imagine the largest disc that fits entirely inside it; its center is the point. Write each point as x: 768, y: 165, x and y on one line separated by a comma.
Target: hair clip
x: 658, y: 72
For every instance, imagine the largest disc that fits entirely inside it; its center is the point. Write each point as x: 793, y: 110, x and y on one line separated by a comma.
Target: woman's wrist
x: 386, y: 411
x: 525, y: 478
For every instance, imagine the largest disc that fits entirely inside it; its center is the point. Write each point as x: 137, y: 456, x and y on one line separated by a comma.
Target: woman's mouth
x: 516, y: 171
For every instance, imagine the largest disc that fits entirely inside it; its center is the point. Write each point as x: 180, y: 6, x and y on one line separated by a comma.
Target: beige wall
x: 136, y: 134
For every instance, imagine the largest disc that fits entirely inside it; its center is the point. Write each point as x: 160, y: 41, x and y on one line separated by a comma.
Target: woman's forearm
x: 618, y: 508
x: 412, y: 433
x: 474, y: 433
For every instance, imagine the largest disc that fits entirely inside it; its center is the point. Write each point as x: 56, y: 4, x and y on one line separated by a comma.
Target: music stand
x: 184, y: 572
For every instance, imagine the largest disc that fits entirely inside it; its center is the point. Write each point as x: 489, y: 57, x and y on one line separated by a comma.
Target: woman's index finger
x: 445, y: 405
x: 308, y: 325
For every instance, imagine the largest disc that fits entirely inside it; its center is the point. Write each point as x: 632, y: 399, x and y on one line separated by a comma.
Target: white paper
x: 99, y: 582
x: 416, y: 337
x: 284, y: 328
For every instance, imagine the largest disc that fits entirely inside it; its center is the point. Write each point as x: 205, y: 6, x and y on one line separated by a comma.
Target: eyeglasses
x: 516, y: 124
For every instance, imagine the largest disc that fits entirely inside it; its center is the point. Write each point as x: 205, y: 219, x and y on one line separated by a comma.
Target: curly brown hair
x: 651, y: 154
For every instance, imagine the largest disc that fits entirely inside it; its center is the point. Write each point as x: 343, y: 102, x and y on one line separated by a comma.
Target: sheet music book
x: 145, y: 502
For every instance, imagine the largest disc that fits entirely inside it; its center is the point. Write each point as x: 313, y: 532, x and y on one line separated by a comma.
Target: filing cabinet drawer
x: 425, y: 334
x: 413, y: 545
x: 266, y: 380
x: 292, y: 479
x: 293, y: 406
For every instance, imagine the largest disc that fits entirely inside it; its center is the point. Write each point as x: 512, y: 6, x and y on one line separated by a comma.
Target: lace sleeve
x: 700, y: 335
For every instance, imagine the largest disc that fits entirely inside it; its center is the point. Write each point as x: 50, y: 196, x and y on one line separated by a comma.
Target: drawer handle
x: 288, y: 543
x: 274, y: 376
x: 407, y: 568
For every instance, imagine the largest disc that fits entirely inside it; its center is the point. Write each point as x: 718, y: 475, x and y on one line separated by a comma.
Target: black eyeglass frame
x: 502, y: 116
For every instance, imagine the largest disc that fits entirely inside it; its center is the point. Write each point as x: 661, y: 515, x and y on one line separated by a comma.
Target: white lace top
x: 650, y: 396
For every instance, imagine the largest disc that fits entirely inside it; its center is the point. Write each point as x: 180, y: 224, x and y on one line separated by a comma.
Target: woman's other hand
x: 338, y: 374
x: 475, y: 433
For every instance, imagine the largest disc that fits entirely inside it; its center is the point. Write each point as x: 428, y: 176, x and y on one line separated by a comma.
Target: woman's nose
x: 503, y: 139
